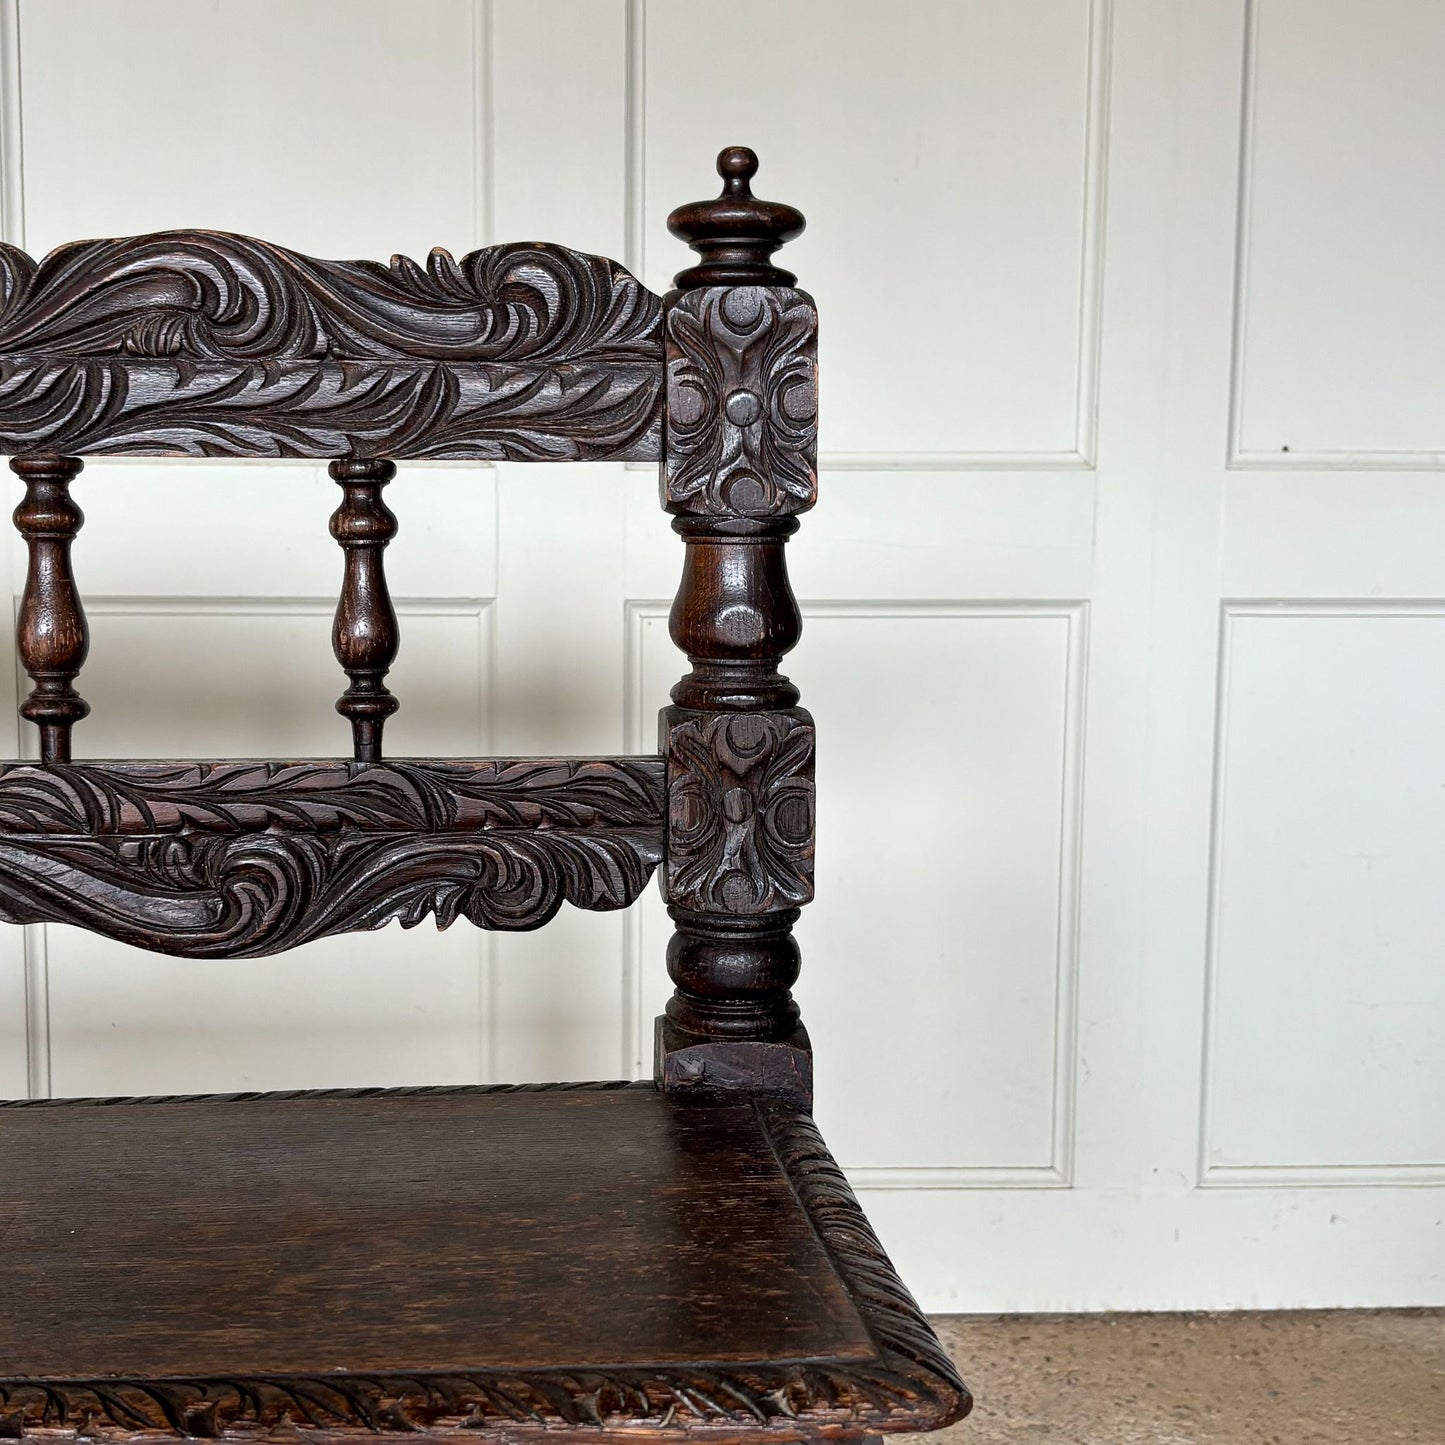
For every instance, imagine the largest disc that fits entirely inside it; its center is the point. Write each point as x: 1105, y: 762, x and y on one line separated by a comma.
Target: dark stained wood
x: 587, y: 1261
x: 201, y: 343
x: 742, y: 403
x: 365, y: 636
x: 740, y: 812
x: 50, y: 633
x: 736, y: 234
x: 239, y: 859
x: 734, y: 615
x: 619, y: 1210
x: 526, y: 1258
x: 740, y: 465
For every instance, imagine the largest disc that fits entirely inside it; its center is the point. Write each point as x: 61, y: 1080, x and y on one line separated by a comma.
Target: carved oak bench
x: 679, y: 1258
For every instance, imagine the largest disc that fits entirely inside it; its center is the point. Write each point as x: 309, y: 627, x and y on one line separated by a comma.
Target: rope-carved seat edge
x: 909, y: 1383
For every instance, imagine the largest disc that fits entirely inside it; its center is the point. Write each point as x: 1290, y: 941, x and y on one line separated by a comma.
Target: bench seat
x: 509, y: 1260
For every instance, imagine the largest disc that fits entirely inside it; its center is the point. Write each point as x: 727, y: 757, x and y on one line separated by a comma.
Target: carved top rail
x: 202, y: 343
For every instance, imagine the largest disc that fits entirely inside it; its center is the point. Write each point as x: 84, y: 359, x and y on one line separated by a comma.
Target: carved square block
x: 740, y: 811
x: 742, y: 402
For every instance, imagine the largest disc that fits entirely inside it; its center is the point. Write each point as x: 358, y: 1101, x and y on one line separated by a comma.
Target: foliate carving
x: 460, y: 411
x: 908, y: 1383
x: 740, y: 811
x: 742, y: 402
x: 430, y: 796
x: 221, y: 860
x: 212, y: 296
x: 205, y: 344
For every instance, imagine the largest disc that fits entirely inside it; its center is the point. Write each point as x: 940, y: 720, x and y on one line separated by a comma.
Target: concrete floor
x: 1322, y: 1377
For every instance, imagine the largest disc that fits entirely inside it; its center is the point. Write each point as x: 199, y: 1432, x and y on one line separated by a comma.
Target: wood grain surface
x: 418, y: 1259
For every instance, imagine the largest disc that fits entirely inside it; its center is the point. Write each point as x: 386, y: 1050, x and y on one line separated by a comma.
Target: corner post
x: 739, y: 466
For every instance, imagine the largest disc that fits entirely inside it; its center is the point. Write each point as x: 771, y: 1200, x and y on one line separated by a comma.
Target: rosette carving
x: 742, y: 402
x: 740, y: 811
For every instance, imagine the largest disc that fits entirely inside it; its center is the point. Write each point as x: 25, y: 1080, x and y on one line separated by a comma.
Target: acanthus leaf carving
x: 215, y: 296
x: 740, y: 811
x: 326, y: 796
x: 742, y: 402
x: 240, y: 859
x: 458, y: 411
x: 201, y: 343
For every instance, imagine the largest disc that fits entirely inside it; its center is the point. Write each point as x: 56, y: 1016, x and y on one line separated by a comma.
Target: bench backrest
x: 195, y: 343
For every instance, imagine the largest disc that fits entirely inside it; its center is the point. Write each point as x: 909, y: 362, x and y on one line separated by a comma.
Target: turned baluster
x: 365, y: 636
x: 50, y: 633
x: 741, y: 438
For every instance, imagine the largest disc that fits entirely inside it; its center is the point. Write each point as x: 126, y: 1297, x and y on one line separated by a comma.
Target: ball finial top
x: 737, y: 165
x: 736, y: 234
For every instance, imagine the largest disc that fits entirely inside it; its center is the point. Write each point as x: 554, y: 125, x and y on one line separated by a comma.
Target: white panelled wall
x: 1125, y: 597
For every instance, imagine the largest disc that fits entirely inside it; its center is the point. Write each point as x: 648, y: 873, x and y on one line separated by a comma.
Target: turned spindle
x: 741, y: 431
x: 50, y: 632
x: 365, y: 636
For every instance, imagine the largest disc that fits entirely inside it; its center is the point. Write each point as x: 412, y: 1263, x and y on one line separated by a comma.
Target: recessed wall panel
x: 14, y: 1044
x: 1326, y: 1054
x: 187, y: 679
x: 197, y: 529
x: 951, y: 239
x: 1340, y: 357
x: 938, y: 958
x: 340, y: 127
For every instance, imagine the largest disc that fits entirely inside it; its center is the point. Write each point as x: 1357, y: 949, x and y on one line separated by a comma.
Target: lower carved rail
x: 237, y: 859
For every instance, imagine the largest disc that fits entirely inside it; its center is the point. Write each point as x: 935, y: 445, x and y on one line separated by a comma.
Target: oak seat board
x: 478, y: 1233
x: 512, y: 1230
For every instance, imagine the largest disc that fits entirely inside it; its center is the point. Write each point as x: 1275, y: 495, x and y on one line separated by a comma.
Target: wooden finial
x: 736, y: 234
x: 365, y: 636
x: 50, y: 631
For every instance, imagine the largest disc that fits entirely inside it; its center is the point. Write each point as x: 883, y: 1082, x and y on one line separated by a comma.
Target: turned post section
x: 739, y: 465
x: 365, y: 636
x: 50, y: 632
